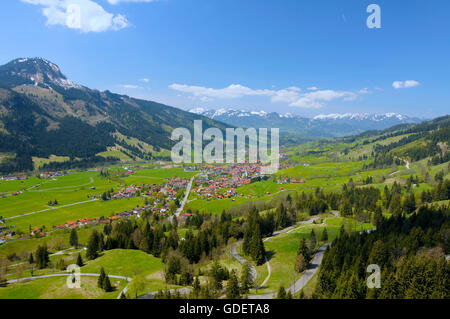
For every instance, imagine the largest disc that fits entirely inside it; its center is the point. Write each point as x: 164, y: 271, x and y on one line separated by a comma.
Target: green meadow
x: 56, y: 288
x: 62, y: 215
x: 282, y: 250
x: 75, y: 190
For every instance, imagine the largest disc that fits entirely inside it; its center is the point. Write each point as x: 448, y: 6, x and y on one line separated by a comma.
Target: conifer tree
x: 304, y: 250
x: 79, y: 261
x: 324, y: 235
x: 233, y: 286
x: 101, y: 278
x: 300, y: 264
x: 73, y: 241
x: 93, y: 244
x: 107, y: 284
x: 257, y: 247
x: 246, y: 278
x: 312, y: 241
x: 281, y: 293
x: 197, y: 288
x: 42, y: 258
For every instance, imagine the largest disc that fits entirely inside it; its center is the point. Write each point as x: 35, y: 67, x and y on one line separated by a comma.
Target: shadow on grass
x: 270, y: 254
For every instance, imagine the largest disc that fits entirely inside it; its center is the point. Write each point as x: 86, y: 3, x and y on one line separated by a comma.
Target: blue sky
x: 302, y: 57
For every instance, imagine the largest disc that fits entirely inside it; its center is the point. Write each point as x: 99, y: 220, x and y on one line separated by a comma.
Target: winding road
x: 303, y: 279
x: 407, y: 167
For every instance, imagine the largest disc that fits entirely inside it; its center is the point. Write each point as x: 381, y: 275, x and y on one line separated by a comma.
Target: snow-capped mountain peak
x: 361, y: 117
x: 323, y: 125
x: 36, y: 71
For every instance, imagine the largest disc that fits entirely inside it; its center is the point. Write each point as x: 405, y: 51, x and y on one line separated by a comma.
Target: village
x: 213, y: 182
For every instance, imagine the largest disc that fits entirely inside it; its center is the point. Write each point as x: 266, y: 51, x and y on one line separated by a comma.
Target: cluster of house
x: 169, y: 189
x: 13, y: 178
x: 288, y: 180
x: 218, y: 182
x: 6, y: 232
x: 129, y: 191
x: 88, y: 221
x: 287, y: 165
x: 48, y: 175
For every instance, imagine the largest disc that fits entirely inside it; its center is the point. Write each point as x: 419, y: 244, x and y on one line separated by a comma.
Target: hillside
x: 43, y: 114
x: 412, y: 142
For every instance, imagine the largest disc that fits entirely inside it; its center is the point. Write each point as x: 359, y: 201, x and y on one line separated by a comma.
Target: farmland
x: 132, y: 207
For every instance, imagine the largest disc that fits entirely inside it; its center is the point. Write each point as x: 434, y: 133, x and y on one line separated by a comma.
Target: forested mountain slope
x: 42, y: 113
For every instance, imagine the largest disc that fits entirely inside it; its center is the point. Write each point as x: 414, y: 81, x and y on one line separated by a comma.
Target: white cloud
x: 312, y: 88
x: 317, y: 99
x: 291, y: 95
x: 405, y: 84
x: 83, y: 15
x: 364, y: 91
x: 145, y: 80
x: 130, y: 86
x: 118, y: 1
x: 231, y: 92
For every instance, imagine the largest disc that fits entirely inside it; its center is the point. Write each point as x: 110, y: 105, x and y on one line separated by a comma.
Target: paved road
x: 128, y: 279
x: 336, y: 214
x: 11, y: 281
x: 253, y: 271
x: 407, y: 167
x: 269, y: 270
x: 55, y: 254
x: 91, y: 180
x: 186, y: 195
x: 303, y: 280
x: 309, y: 273
x: 182, y: 291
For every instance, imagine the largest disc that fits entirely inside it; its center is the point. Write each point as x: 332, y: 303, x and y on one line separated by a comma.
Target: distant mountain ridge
x: 324, y: 125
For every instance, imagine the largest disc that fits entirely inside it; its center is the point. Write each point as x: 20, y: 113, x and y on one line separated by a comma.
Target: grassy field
x: 146, y: 271
x: 329, y: 176
x: 56, y: 288
x: 40, y: 161
x: 76, y: 188
x: 124, y: 262
x: 165, y: 173
x: 62, y: 215
x: 115, y: 152
x: 56, y: 241
x: 282, y: 250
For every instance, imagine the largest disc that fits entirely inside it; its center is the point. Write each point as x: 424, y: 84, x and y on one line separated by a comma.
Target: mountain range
x: 42, y: 113
x: 44, y: 116
x: 323, y: 126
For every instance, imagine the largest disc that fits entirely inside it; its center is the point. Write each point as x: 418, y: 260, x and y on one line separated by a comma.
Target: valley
x: 131, y: 219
